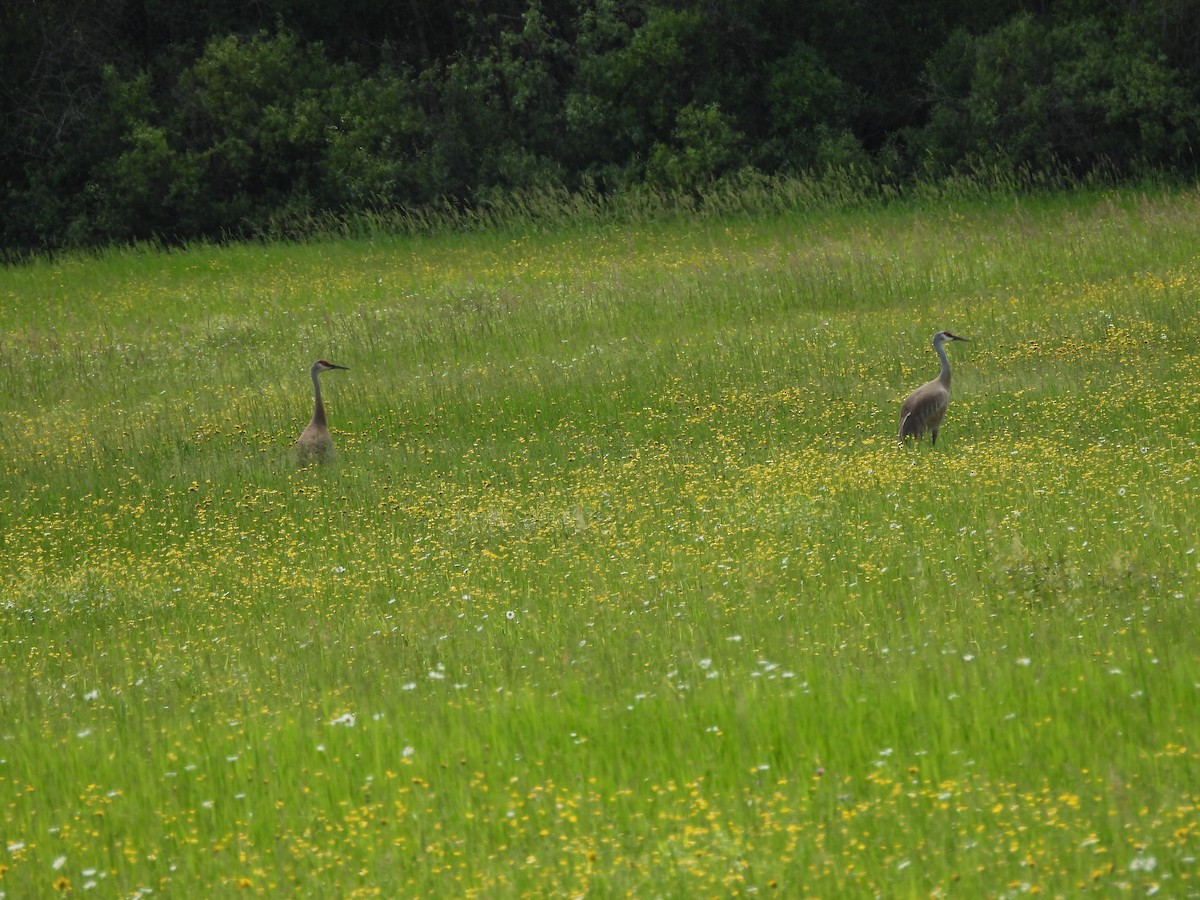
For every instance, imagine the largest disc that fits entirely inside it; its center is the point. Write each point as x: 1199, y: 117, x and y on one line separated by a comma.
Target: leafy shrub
x: 373, y: 154
x: 703, y: 146
x: 1031, y: 93
x: 253, y: 117
x: 809, y: 107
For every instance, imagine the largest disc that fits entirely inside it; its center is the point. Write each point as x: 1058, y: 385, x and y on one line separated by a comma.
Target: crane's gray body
x: 924, y: 409
x: 315, y: 443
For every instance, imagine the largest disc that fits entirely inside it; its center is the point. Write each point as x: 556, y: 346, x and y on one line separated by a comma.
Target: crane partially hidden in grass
x: 925, y: 407
x: 315, y: 444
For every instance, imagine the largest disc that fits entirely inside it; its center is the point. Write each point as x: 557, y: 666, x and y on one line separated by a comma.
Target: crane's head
x: 323, y: 365
x: 942, y: 336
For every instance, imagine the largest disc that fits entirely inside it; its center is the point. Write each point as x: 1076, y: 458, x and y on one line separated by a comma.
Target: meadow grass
x: 619, y: 585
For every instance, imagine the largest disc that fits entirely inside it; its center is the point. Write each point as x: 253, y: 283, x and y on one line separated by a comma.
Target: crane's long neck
x: 943, y: 377
x: 318, y: 405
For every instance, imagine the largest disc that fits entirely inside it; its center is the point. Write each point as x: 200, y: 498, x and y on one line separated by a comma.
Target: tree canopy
x: 128, y: 120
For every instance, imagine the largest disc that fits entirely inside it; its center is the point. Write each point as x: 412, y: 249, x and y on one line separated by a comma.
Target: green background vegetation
x: 620, y: 584
x: 128, y: 120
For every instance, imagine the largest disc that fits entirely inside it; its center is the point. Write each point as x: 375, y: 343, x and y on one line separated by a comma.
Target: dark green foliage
x: 703, y: 146
x: 243, y: 138
x: 373, y: 154
x: 127, y: 120
x: 1087, y: 93
x: 499, y: 110
x: 809, y: 108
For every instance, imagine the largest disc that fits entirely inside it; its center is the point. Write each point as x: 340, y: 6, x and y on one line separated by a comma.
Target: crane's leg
x: 933, y: 443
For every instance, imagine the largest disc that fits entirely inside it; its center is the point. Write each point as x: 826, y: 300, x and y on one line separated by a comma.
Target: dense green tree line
x: 135, y: 119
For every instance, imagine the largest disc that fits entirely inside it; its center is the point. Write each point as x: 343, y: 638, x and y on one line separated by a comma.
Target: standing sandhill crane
x: 924, y: 408
x: 315, y: 443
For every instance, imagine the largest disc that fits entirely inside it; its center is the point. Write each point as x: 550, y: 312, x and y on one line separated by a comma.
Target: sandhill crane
x: 924, y: 408
x: 315, y: 443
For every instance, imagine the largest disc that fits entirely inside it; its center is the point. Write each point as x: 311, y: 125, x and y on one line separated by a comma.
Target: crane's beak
x: 346, y: 368
x: 953, y: 337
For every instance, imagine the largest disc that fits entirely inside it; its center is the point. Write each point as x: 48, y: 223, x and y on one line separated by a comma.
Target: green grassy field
x: 619, y: 584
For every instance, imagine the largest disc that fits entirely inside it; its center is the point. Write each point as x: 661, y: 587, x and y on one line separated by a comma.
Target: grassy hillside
x: 619, y: 583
